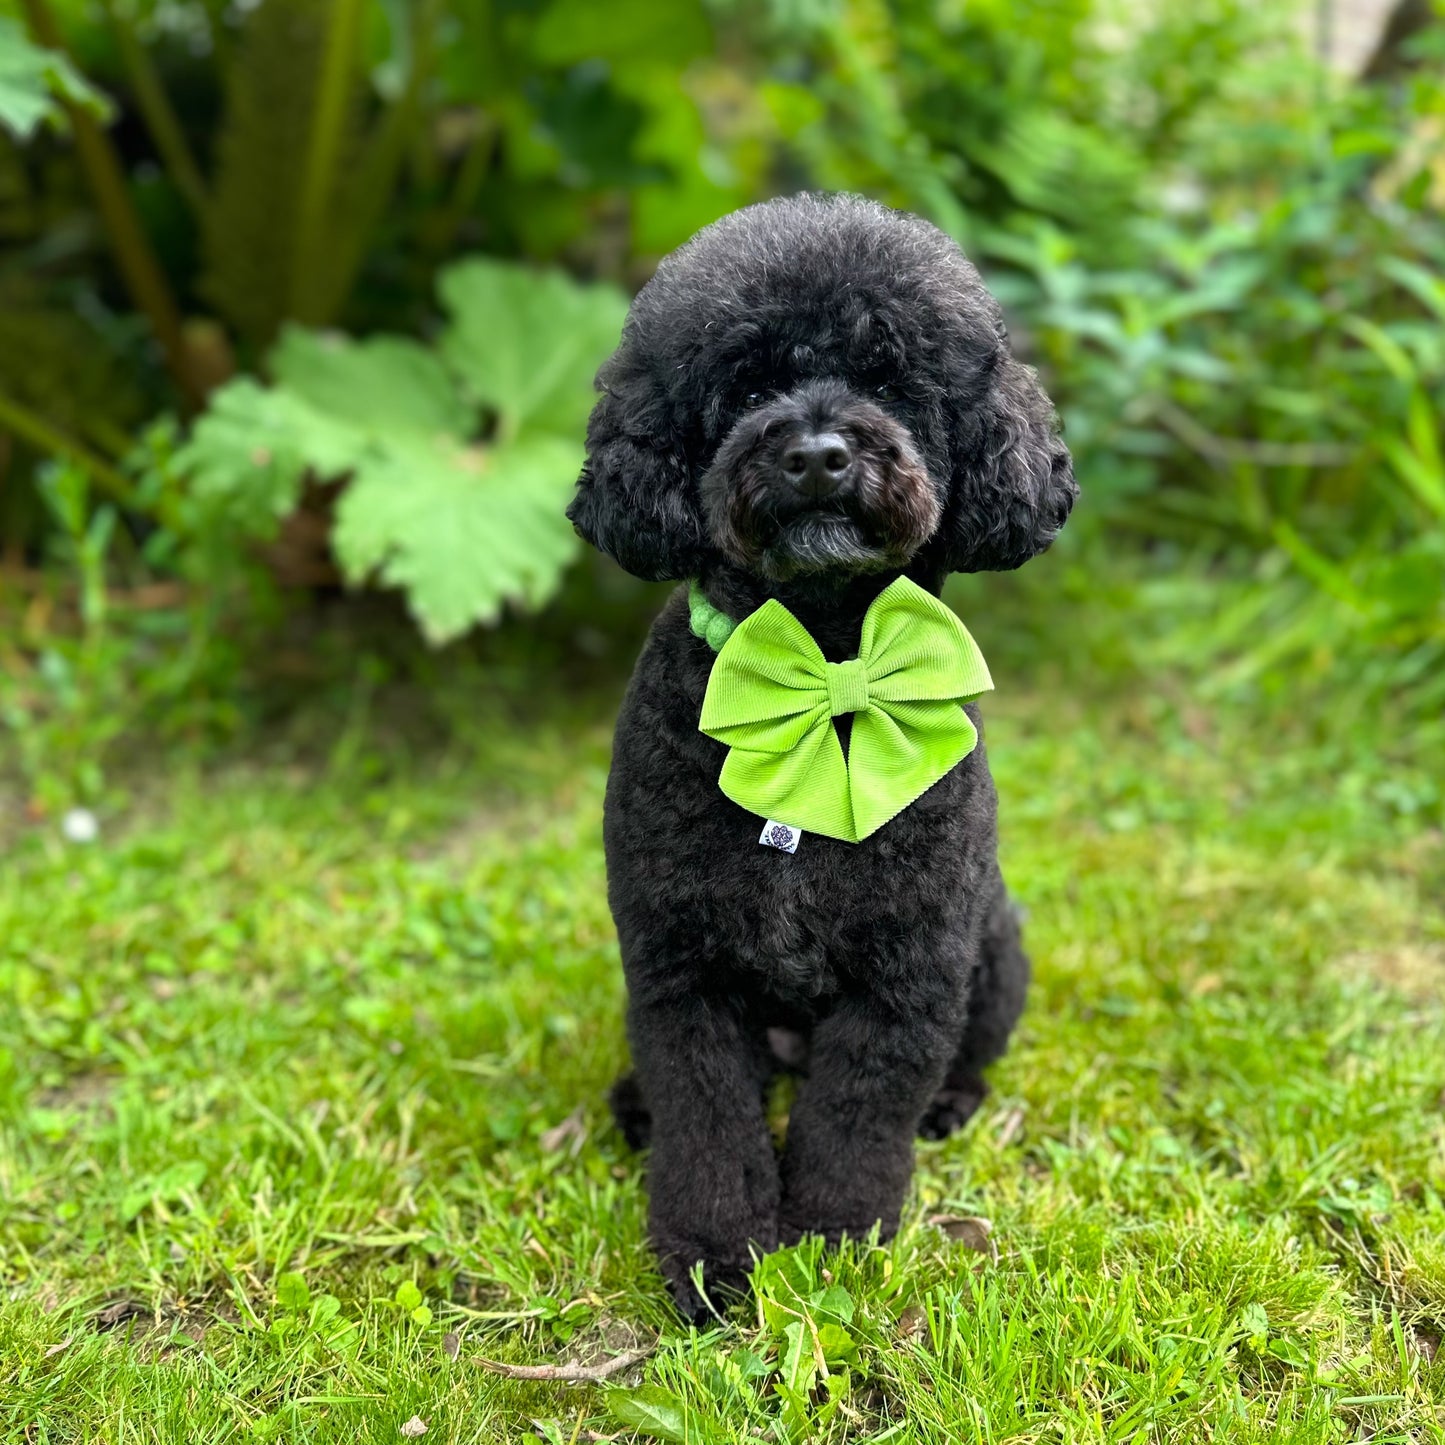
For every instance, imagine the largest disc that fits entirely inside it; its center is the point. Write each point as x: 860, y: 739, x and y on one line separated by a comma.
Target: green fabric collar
x: 772, y: 697
x: 710, y: 623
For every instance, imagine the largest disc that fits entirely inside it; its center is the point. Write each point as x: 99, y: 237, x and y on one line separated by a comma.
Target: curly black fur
x: 811, y: 397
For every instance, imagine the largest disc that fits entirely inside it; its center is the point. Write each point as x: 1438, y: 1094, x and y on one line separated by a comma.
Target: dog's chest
x: 686, y: 862
x: 831, y: 903
x: 691, y: 880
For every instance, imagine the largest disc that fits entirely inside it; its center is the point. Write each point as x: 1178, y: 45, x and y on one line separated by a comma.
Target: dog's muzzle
x: 820, y: 478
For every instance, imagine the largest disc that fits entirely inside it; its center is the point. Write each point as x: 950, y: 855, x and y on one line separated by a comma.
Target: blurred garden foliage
x: 308, y: 291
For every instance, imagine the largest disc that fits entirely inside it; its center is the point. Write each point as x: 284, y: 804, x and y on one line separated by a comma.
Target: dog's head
x: 819, y: 385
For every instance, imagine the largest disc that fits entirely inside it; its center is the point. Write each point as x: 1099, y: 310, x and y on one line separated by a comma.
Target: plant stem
x: 1226, y: 451
x: 155, y: 107
x: 384, y: 153
x: 221, y: 48
x: 143, y: 276
x: 23, y: 423
x: 468, y: 183
x: 318, y: 182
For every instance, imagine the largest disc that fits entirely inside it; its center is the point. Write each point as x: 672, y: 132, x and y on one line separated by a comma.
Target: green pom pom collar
x: 710, y: 623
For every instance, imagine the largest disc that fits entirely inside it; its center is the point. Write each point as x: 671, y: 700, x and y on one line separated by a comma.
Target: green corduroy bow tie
x: 772, y: 698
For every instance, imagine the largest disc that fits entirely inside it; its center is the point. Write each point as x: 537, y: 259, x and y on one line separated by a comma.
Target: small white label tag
x: 780, y: 835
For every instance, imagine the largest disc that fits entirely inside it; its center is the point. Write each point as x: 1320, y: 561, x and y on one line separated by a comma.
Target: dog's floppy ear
x: 1013, y: 482
x: 635, y: 498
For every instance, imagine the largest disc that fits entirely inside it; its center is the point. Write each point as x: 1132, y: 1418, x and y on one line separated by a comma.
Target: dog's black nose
x: 817, y: 464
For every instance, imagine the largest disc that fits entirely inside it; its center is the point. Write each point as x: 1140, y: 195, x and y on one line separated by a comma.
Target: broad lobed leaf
x: 249, y: 454
x: 33, y: 80
x: 382, y: 385
x: 527, y: 343
x: 461, y: 530
x: 461, y: 521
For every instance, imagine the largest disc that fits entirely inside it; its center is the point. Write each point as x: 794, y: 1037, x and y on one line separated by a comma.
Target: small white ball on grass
x: 80, y: 825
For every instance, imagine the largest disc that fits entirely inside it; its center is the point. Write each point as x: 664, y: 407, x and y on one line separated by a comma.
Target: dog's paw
x: 630, y: 1111
x: 952, y: 1107
x: 791, y: 1232
x: 723, y: 1286
x: 798, y: 1227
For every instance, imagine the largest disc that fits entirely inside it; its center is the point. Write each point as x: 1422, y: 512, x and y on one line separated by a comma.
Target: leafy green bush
x: 459, y: 457
x: 297, y: 162
x: 1270, y: 386
x: 1228, y: 262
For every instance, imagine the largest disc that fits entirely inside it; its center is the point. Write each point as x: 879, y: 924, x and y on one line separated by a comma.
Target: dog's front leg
x: 849, y: 1156
x: 712, y: 1176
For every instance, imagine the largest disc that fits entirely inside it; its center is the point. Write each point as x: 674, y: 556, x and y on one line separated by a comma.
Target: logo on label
x: 780, y: 835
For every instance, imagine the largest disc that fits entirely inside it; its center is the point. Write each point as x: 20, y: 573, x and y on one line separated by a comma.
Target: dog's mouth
x: 820, y: 480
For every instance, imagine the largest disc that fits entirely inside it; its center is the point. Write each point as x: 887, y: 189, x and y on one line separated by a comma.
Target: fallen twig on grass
x: 567, y: 1374
x: 1009, y: 1129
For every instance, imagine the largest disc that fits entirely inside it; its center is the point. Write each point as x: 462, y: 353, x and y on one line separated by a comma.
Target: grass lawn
x: 302, y: 1073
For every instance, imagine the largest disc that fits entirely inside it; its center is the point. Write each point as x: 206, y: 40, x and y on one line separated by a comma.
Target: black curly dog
x: 812, y: 396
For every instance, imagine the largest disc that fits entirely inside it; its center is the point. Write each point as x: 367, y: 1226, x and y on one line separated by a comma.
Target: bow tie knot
x: 847, y: 684
x: 772, y: 698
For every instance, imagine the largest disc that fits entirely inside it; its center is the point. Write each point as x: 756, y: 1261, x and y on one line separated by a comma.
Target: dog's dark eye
x: 752, y: 399
x: 887, y: 392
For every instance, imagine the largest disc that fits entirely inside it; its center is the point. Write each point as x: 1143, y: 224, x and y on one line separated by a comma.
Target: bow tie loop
x: 772, y: 698
x: 847, y: 684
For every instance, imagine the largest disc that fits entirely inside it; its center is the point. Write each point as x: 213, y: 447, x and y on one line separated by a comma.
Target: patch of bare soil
x: 1416, y: 970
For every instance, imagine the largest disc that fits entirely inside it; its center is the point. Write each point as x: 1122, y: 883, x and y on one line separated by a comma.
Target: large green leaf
x: 462, y: 524
x: 248, y: 455
x: 528, y: 343
x: 460, y: 529
x: 33, y: 82
x: 380, y: 385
